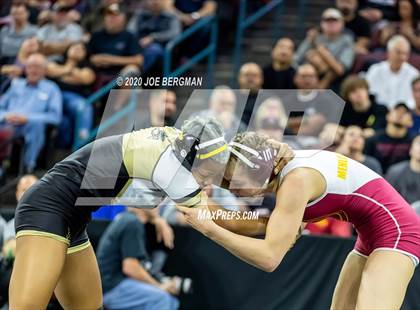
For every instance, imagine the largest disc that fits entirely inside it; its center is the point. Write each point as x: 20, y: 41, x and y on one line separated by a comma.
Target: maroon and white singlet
x: 354, y: 193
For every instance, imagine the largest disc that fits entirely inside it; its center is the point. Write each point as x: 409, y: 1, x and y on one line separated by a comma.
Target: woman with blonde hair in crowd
x: 272, y: 108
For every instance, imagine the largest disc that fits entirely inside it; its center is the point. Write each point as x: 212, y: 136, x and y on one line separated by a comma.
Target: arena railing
x: 129, y: 108
x: 208, y: 52
x: 245, y: 22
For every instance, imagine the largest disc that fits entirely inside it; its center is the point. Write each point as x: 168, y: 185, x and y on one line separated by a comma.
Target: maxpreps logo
x: 226, y: 215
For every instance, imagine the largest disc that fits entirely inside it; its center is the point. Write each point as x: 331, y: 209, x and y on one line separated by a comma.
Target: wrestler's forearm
x: 257, y: 252
x: 251, y: 227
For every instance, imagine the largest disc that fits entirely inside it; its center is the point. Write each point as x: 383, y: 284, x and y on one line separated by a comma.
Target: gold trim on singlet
x: 194, y: 201
x: 123, y: 190
x: 78, y: 248
x: 42, y: 234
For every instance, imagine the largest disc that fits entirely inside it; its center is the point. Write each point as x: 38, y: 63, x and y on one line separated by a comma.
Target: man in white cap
x: 331, y: 51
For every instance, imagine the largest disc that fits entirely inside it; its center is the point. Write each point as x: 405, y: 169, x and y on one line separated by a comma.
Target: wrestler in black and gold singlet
x: 137, y: 168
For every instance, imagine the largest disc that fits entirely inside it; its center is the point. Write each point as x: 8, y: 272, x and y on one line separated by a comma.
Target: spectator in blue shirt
x: 29, y: 105
x: 126, y: 270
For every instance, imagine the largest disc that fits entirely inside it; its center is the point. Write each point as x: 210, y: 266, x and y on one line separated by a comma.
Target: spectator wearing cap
x: 405, y: 176
x: 222, y: 106
x: 357, y: 25
x: 390, y: 80
x: 154, y: 27
x: 29, y: 105
x: 392, y: 145
x: 415, y: 129
x: 279, y: 74
x: 13, y: 35
x: 331, y: 51
x: 361, y: 109
x: 309, y: 108
x: 352, y: 145
x: 114, y: 49
x: 57, y: 36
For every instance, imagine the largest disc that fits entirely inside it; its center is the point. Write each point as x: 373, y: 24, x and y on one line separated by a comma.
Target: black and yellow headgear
x: 188, y: 148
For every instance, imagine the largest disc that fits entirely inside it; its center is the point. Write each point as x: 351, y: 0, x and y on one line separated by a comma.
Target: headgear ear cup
x: 186, y: 147
x: 189, y: 148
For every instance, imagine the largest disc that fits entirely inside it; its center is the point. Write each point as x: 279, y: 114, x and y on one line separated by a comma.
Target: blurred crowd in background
x: 55, y: 54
